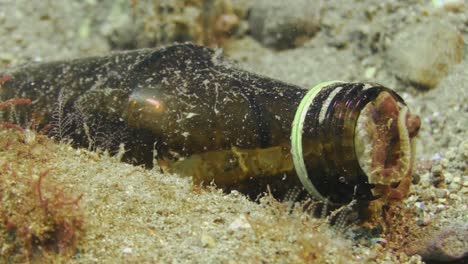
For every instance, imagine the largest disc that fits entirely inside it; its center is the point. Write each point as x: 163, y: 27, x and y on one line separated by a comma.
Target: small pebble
x: 427, y: 194
x: 370, y: 73
x: 29, y: 136
x: 441, y: 193
x: 436, y: 157
x: 456, y: 180
x: 437, y: 176
x: 448, y: 177
x: 380, y: 240
x: 424, y: 221
x: 419, y: 205
x: 127, y: 250
x: 453, y: 196
x: 207, y: 241
x: 240, y: 223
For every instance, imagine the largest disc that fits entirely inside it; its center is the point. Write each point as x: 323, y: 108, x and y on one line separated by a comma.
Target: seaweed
x: 38, y: 218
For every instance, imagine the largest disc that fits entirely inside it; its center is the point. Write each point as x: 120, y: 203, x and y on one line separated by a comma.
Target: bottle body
x: 200, y: 116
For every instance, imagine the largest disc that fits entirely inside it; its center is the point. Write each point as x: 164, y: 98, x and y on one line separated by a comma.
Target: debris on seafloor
x: 355, y: 144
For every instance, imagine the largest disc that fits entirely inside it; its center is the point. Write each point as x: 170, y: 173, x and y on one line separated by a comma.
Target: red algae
x: 38, y: 219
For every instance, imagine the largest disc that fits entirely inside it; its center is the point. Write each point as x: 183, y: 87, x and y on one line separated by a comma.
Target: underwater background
x: 63, y: 204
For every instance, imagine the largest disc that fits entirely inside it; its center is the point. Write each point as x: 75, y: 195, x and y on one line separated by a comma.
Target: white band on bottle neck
x: 296, y: 139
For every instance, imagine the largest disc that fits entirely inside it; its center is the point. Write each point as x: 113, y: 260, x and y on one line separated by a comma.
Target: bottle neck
x: 329, y: 139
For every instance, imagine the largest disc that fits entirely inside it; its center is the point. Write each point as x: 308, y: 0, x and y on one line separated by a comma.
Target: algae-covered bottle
x: 200, y: 116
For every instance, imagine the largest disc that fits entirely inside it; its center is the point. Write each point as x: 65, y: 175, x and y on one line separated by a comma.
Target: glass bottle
x: 198, y: 115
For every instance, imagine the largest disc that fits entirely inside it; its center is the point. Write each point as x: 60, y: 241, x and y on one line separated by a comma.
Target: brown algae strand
x: 198, y: 115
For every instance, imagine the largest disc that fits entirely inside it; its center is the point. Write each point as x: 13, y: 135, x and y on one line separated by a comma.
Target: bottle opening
x: 383, y: 139
x: 366, y: 141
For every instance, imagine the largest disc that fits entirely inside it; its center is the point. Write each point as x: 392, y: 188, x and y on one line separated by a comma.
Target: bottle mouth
x: 366, y: 134
x: 382, y: 139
